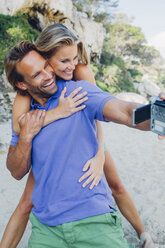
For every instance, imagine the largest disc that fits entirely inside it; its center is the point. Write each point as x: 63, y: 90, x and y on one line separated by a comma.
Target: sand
x: 140, y: 159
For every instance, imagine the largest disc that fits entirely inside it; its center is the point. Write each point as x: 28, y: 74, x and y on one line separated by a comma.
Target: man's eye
x: 64, y: 61
x: 36, y: 75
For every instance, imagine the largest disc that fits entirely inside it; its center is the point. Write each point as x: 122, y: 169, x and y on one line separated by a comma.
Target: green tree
x: 12, y: 30
x: 128, y: 42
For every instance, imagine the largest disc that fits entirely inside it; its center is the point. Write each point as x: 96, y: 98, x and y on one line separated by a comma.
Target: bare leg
x: 121, y: 196
x: 18, y: 221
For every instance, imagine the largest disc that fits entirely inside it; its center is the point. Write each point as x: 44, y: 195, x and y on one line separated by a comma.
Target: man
x: 64, y: 214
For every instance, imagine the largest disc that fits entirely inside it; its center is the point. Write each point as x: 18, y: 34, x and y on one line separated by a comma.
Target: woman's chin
x: 69, y: 77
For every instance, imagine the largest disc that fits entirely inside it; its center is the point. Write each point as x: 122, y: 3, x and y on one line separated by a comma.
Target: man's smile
x: 49, y: 84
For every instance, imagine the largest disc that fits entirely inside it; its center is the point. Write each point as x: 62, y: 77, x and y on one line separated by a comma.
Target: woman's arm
x: 96, y: 164
x: 84, y: 72
x: 21, y: 105
x: 66, y: 107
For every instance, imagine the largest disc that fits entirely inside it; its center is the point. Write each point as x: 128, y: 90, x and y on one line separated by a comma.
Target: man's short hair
x: 15, y: 55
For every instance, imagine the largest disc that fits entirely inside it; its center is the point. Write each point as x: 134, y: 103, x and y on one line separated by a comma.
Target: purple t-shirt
x: 59, y: 152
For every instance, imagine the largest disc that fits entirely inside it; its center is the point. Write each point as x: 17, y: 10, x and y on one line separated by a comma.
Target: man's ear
x: 21, y: 85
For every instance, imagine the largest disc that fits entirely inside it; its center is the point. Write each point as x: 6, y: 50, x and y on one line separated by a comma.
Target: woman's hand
x: 69, y: 105
x: 95, y: 171
x: 146, y: 240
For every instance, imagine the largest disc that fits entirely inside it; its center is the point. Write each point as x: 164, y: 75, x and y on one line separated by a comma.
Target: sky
x: 150, y: 16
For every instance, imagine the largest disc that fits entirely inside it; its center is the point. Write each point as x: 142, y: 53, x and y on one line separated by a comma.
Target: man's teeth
x: 48, y: 84
x: 68, y: 72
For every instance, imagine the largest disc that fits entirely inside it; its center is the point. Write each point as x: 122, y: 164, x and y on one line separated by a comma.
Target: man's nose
x: 47, y: 73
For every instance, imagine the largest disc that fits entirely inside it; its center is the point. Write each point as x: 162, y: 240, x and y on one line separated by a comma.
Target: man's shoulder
x: 71, y: 84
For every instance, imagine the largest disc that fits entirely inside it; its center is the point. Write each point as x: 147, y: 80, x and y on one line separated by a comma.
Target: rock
x: 4, y: 84
x: 46, y: 12
x: 3, y: 148
x: 1, y: 97
x: 90, y: 32
x: 132, y: 97
x: 11, y: 96
x: 6, y: 103
x: 147, y: 88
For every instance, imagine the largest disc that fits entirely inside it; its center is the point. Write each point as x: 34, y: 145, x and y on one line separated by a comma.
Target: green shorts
x: 101, y: 231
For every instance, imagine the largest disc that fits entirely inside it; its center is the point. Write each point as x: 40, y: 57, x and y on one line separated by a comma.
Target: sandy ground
x: 140, y: 160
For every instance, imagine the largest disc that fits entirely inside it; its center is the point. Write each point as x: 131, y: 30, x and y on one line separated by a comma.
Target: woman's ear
x: 21, y: 85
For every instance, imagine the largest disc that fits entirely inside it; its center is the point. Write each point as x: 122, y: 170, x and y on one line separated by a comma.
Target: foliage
x: 125, y: 58
x: 135, y: 74
x: 120, y: 80
x: 161, y: 77
x: 12, y: 30
x: 124, y: 40
x: 96, y: 8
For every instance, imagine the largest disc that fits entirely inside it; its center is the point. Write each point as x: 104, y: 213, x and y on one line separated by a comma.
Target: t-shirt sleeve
x: 15, y: 137
x: 96, y: 99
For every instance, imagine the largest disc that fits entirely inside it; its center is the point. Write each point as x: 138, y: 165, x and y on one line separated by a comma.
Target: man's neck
x: 41, y: 101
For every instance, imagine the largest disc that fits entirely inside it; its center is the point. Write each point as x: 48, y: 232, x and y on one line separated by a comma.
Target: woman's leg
x: 18, y: 221
x: 121, y: 196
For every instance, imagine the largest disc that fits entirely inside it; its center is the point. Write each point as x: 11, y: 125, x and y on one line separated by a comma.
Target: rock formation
x: 44, y: 12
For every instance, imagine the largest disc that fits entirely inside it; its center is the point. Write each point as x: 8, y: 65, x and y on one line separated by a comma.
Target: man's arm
x: 19, y: 156
x: 119, y: 111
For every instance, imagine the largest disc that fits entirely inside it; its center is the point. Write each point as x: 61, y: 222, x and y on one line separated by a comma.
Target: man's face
x: 39, y: 77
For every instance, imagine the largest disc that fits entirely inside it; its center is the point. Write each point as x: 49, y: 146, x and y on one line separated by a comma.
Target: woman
x: 69, y: 60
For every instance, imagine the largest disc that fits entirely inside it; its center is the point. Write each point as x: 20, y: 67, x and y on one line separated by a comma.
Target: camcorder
x: 155, y: 111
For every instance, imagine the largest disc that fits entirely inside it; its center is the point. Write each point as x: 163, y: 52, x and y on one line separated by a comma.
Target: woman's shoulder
x: 82, y: 68
x: 84, y: 72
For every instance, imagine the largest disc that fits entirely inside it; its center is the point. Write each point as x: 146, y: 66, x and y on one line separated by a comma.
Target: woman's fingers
x: 78, y: 109
x: 87, y: 174
x: 75, y: 92
x: 95, y: 182
x: 79, y: 96
x: 88, y: 181
x: 63, y: 93
x: 81, y: 101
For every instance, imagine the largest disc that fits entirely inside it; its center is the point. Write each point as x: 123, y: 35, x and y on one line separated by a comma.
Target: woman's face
x: 64, y: 61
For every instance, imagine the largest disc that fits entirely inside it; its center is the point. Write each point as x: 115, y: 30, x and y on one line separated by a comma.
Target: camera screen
x: 142, y: 114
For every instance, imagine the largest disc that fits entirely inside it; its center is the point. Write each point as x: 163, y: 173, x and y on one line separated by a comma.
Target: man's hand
x: 31, y: 123
x: 162, y: 96
x: 146, y: 240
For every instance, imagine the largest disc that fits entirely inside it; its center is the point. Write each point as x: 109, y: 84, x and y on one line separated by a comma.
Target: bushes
x: 12, y: 30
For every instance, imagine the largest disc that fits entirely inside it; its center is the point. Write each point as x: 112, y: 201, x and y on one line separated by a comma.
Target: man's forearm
x: 19, y: 158
x: 120, y: 112
x: 143, y: 125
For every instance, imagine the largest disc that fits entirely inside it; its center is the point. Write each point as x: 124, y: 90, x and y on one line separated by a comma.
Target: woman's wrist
x: 100, y: 154
x: 52, y: 115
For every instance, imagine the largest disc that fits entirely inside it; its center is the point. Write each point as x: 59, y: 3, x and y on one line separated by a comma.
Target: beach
x: 140, y: 160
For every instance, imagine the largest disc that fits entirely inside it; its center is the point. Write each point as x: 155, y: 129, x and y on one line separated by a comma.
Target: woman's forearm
x: 66, y: 107
x: 100, y: 137
x: 52, y: 115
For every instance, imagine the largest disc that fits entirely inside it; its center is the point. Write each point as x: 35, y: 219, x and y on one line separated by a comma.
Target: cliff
x: 45, y: 12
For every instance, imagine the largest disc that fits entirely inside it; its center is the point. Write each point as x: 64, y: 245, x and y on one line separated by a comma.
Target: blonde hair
x: 57, y: 35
